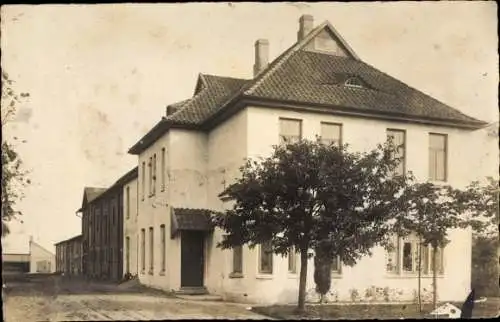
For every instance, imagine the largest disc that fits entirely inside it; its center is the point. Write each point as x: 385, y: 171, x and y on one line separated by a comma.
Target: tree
x: 13, y: 176
x: 433, y: 210
x: 322, y: 273
x: 310, y: 196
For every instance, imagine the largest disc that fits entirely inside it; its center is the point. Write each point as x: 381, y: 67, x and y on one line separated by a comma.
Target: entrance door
x: 192, y: 261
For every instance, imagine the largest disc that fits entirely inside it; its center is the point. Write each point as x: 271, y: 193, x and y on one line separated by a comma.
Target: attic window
x: 354, y: 82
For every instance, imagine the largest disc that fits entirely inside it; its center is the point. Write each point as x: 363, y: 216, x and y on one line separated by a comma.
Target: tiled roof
x: 317, y: 78
x: 190, y: 219
x: 307, y: 78
x: 216, y: 90
x: 92, y: 192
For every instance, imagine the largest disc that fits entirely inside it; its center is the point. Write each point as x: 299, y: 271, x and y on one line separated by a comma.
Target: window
x: 290, y: 131
x: 150, y: 178
x: 353, y: 82
x: 163, y: 249
x: 331, y: 133
x: 336, y: 265
x: 154, y: 175
x: 163, y: 170
x: 266, y: 258
x: 143, y: 179
x: 437, y: 157
x: 292, y: 261
x: 403, y: 258
x: 238, y: 259
x: 127, y: 254
x: 127, y: 201
x: 151, y: 250
x: 398, y: 138
x: 143, y: 250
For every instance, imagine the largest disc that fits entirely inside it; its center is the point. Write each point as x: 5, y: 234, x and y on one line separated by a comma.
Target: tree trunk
x: 434, y: 279
x: 420, y: 275
x: 301, y: 307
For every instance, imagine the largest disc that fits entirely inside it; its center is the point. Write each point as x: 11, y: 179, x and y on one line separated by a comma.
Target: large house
x: 319, y: 86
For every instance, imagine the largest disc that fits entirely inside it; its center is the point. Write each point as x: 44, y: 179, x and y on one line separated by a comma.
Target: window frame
x: 151, y: 251
x: 260, y: 262
x: 143, y: 181
x: 281, y: 137
x: 445, y: 158
x: 403, y: 131
x: 237, y: 261
x: 341, y: 134
x: 163, y: 170
x: 292, y: 261
x: 163, y: 236
x: 143, y: 250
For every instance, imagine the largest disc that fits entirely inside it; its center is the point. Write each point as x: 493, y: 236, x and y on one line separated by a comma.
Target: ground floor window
x: 266, y: 258
x: 404, y: 256
x: 238, y: 259
x: 292, y: 260
x: 143, y: 250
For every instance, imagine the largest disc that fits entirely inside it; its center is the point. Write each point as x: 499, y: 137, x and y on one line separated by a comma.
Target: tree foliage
x: 322, y: 273
x: 310, y: 196
x: 13, y: 176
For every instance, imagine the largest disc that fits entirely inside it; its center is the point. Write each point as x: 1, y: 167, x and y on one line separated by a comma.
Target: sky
x: 100, y: 76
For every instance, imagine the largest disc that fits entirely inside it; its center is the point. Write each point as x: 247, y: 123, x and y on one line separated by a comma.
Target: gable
x: 326, y: 42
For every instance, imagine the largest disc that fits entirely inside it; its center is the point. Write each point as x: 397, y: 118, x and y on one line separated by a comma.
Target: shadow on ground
x: 55, y: 284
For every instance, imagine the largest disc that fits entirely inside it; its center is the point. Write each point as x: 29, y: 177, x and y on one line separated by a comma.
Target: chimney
x: 261, y: 56
x: 171, y: 110
x: 306, y: 24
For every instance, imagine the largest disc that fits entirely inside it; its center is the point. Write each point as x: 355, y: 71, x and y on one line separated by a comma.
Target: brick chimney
x: 306, y: 25
x: 261, y: 56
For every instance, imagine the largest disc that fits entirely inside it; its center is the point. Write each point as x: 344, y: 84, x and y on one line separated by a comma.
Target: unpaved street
x: 51, y: 298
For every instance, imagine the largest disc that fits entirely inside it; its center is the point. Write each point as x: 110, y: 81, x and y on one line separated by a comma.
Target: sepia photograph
x: 280, y: 160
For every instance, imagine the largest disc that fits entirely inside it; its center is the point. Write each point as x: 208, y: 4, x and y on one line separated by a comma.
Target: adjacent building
x: 69, y: 256
x: 131, y: 216
x: 319, y: 86
x: 37, y: 260
x: 102, y: 229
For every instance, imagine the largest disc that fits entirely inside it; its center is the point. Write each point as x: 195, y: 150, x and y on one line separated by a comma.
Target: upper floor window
x: 143, y: 179
x: 290, y: 130
x: 163, y: 170
x: 154, y: 175
x: 437, y: 157
x: 398, y: 138
x: 127, y: 201
x: 331, y: 133
x: 150, y: 177
x: 143, y: 250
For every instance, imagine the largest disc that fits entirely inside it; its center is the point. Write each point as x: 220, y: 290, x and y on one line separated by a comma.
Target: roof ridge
x: 230, y: 77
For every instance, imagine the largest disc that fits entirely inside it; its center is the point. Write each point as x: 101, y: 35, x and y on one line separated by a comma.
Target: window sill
x: 150, y: 272
x: 236, y: 275
x: 143, y: 273
x: 162, y: 273
x: 264, y: 276
x: 412, y: 275
x: 336, y: 275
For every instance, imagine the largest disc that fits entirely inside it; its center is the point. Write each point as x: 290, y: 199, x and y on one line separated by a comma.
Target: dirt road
x: 51, y: 298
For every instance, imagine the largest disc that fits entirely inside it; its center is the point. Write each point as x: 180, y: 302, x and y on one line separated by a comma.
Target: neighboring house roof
x: 126, y: 178
x: 189, y: 219
x: 69, y: 240
x: 313, y: 80
x: 89, y: 194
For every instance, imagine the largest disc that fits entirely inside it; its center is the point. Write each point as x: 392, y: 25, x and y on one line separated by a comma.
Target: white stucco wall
x: 200, y: 165
x: 130, y: 227
x: 363, y: 135
x: 40, y: 254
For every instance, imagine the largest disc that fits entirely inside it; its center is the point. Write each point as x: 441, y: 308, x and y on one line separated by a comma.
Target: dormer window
x: 354, y: 82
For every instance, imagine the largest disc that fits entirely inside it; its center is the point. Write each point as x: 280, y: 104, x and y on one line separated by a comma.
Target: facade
x: 130, y: 234
x: 319, y: 86
x: 41, y: 260
x: 69, y: 256
x: 102, y: 230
